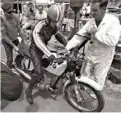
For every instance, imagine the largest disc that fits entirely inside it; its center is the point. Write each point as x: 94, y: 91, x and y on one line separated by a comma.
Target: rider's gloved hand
x: 59, y: 60
x: 63, y: 52
x: 51, y: 58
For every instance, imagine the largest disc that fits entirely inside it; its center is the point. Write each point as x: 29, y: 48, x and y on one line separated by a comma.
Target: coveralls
x: 100, y: 53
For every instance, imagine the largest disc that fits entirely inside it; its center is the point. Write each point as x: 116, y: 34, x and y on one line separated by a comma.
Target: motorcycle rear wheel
x: 71, y: 98
x: 23, y: 63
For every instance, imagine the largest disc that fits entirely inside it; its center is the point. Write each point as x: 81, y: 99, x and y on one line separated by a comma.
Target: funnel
x: 75, y: 6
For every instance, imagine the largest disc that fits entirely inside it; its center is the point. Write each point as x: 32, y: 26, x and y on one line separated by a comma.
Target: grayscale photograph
x: 60, y: 55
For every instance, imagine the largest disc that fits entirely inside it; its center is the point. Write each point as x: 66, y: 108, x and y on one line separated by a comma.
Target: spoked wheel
x: 24, y: 63
x: 84, y: 98
x: 24, y: 66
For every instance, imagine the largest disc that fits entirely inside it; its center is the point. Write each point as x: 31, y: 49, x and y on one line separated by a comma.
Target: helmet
x: 54, y: 12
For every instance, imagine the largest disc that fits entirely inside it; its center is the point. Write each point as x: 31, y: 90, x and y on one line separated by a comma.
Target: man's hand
x: 51, y: 58
x: 16, y: 48
x: 93, y: 30
x: 63, y: 52
x: 75, y: 51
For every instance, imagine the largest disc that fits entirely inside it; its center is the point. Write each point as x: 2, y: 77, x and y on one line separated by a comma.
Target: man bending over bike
x: 41, y: 35
x: 104, y: 34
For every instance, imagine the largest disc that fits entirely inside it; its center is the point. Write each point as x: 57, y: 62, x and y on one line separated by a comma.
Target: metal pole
x: 75, y: 27
x: 75, y: 22
x: 18, y: 11
x: 18, y: 8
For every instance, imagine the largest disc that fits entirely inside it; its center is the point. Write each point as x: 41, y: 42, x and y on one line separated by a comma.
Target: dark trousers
x: 9, y: 52
x: 36, y: 57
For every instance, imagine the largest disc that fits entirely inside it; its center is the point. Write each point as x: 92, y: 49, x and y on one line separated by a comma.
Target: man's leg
x: 86, y: 68
x: 100, y: 72
x: 36, y: 57
x: 9, y: 54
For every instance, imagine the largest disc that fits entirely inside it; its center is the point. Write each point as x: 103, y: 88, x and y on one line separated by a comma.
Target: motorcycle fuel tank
x: 55, y: 68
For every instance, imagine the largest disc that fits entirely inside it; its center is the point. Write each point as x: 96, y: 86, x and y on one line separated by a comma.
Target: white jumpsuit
x: 100, y: 53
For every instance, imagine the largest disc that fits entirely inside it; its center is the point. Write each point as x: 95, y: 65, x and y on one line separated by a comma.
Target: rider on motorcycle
x: 41, y: 35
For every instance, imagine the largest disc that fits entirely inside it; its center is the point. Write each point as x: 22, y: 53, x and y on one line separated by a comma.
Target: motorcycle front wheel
x: 84, y: 98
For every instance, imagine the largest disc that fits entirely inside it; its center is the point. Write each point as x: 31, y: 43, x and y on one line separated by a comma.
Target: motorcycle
x: 81, y: 93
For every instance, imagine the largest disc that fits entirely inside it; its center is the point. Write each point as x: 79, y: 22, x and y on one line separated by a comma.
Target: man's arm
x: 78, y: 38
x: 61, y: 38
x: 38, y: 41
x: 75, y: 42
x: 111, y: 37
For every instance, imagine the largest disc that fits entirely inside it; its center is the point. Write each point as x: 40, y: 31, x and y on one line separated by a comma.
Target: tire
x: 22, y: 64
x: 98, y: 94
x: 11, y: 86
x: 18, y: 61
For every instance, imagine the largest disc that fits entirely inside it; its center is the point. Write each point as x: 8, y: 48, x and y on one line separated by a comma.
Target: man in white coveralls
x: 105, y: 33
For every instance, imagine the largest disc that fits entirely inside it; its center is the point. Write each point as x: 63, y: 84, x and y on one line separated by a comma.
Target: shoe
x: 29, y: 97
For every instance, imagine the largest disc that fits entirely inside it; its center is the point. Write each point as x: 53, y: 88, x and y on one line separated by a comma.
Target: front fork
x: 76, y: 89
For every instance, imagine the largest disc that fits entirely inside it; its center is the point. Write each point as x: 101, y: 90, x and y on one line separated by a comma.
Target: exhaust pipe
x: 23, y: 73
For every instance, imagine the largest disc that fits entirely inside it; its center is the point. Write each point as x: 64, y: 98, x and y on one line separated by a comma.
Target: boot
x: 29, y: 95
x: 28, y: 91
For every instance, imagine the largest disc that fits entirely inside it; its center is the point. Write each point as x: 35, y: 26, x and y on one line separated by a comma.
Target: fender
x: 85, y: 80
x: 90, y: 82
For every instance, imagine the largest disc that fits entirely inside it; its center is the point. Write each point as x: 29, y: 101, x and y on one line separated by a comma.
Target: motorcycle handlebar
x: 68, y: 58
